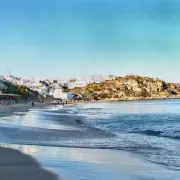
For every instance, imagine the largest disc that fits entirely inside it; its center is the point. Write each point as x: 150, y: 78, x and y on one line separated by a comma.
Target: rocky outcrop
x: 131, y: 88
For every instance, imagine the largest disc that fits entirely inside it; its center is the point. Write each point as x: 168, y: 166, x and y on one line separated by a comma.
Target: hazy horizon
x: 66, y: 39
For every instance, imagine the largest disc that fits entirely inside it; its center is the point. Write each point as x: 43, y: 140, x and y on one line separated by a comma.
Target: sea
x: 146, y: 130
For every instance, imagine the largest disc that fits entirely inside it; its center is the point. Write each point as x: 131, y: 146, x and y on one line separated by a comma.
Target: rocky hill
x: 130, y: 88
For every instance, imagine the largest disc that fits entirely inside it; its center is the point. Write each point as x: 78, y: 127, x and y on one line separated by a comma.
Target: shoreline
x: 121, y: 100
x: 139, y: 99
x: 20, y: 138
x: 72, y: 126
x: 11, y: 109
x: 95, y: 163
x: 16, y: 165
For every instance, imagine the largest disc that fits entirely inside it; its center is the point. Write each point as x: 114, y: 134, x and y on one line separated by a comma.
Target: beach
x: 11, y: 109
x: 14, y: 164
x: 83, y: 163
x: 84, y: 141
x: 89, y: 90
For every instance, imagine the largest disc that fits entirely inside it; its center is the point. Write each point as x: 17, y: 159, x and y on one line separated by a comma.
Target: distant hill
x: 130, y: 88
x: 10, y: 88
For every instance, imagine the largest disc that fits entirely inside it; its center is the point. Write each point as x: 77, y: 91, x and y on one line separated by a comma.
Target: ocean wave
x: 154, y: 136
x: 148, y: 132
x: 55, y: 113
x: 173, y: 134
x: 119, y: 128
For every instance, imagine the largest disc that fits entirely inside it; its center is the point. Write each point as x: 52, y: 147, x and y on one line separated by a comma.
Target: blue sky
x: 57, y: 38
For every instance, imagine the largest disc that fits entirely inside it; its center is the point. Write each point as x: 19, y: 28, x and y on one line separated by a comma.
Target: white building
x: 77, y: 84
x: 43, y: 91
x: 22, y: 82
x: 58, y: 94
x: 51, y: 91
x: 84, y: 81
x: 8, y: 77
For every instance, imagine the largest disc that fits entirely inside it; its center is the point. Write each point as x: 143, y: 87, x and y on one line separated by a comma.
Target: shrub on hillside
x: 103, y: 95
x: 144, y: 93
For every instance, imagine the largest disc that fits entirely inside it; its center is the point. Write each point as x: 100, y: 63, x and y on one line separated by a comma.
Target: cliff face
x: 130, y: 88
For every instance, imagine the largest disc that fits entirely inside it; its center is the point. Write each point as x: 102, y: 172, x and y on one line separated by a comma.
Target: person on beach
x: 32, y: 104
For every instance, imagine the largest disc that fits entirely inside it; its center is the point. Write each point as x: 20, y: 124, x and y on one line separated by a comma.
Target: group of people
x: 63, y: 103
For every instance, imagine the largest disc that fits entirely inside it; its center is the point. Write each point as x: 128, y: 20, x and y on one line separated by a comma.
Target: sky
x: 71, y: 38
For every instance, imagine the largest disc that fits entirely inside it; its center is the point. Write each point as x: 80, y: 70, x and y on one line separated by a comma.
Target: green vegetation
x: 24, y: 91
x: 11, y: 88
x: 93, y: 87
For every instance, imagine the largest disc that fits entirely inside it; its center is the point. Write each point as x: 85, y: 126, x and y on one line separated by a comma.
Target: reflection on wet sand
x: 118, y: 163
x: 16, y: 165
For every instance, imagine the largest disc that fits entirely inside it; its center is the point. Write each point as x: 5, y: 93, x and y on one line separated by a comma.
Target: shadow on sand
x: 14, y: 165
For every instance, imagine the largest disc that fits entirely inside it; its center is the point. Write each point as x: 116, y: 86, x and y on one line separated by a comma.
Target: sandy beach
x: 16, y: 165
x: 71, y: 126
x: 11, y: 109
x: 88, y: 164
x: 74, y: 142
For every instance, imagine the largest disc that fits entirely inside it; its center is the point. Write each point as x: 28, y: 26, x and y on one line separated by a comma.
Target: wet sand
x: 15, y: 165
x: 41, y: 134
x: 96, y: 164
x: 11, y: 109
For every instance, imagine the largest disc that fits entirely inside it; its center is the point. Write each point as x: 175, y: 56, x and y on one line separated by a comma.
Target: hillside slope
x: 130, y: 88
x: 10, y: 88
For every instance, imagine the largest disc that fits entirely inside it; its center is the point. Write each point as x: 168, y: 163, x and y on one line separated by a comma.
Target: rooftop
x: 12, y: 95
